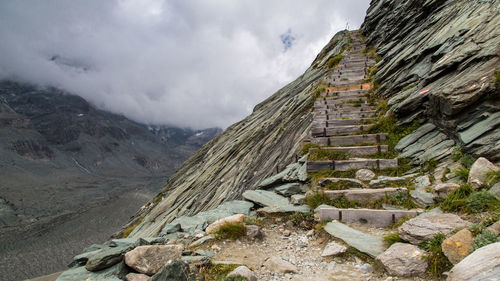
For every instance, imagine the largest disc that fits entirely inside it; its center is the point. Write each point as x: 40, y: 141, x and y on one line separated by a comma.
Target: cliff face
x: 244, y: 154
x: 451, y: 49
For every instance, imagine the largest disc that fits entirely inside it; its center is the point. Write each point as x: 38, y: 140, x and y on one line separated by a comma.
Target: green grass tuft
x: 437, y: 261
x: 429, y: 166
x: 394, y: 132
x: 314, y: 177
x: 481, y: 201
x: 409, y: 87
x: 456, y: 201
x: 497, y: 79
x: 462, y: 173
x: 254, y: 221
x: 298, y: 218
x: 391, y: 238
x: 464, y: 199
x: 492, y: 178
x: 486, y: 237
x: 333, y: 62
x: 317, y: 198
x: 305, y: 148
x: 231, y: 231
x: 324, y: 154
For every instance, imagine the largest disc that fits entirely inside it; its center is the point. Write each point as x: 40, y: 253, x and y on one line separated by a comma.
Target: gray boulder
x: 479, y: 170
x: 422, y: 181
x: 244, y: 272
x: 298, y: 199
x: 495, y: 190
x: 442, y: 190
x: 170, y: 228
x: 150, y: 259
x: 365, y: 174
x: 333, y: 249
x: 365, y: 243
x: 420, y: 229
x: 254, y: 232
x: 404, y: 260
x: 289, y: 189
x: 482, y: 264
x: 176, y: 270
x: 265, y: 198
x: 422, y: 198
x: 114, y: 273
x: 277, y: 264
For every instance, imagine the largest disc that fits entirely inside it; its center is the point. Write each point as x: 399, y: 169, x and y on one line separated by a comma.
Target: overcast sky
x: 196, y: 64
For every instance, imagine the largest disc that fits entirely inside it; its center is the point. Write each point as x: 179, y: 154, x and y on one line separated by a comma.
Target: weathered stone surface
x: 383, y: 181
x: 442, y: 190
x: 404, y: 260
x: 150, y: 259
x: 289, y: 189
x: 285, y: 209
x: 414, y: 136
x: 422, y: 181
x: 277, y: 264
x: 136, y: 277
x: 482, y: 264
x: 365, y: 174
x: 495, y: 228
x: 176, y: 270
x: 196, y: 260
x: 297, y: 199
x: 239, y: 218
x: 253, y: 231
x: 243, y: 271
x: 457, y: 246
x: 422, y: 198
x: 371, y: 217
x: 106, y: 257
x: 201, y: 241
x: 170, y: 228
x: 479, y: 170
x: 345, y: 182
x: 265, y: 198
x: 417, y: 229
x: 333, y: 249
x: 366, y: 195
x: 365, y: 243
x: 113, y: 273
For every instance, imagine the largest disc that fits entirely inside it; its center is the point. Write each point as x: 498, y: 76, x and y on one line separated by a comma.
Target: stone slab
x: 364, y: 195
x: 363, y: 242
x: 377, y: 218
x: 350, y: 140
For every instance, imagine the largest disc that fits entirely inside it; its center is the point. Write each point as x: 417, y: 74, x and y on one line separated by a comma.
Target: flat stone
x: 365, y: 243
x: 365, y: 195
x: 479, y: 171
x: 170, y: 228
x: 196, y: 260
x: 177, y: 270
x: 298, y: 199
x: 285, y: 209
x: 243, y: 271
x: 383, y: 181
x: 113, y: 273
x: 417, y: 229
x: 150, y: 259
x: 422, y: 198
x: 365, y: 174
x: 289, y: 189
x: 239, y: 218
x: 346, y: 182
x: 276, y: 264
x: 265, y: 198
x: 414, y: 136
x: 106, y: 257
x: 201, y: 241
x: 457, y: 246
x: 442, y: 190
x: 278, y: 178
x: 201, y: 252
x: 422, y: 181
x: 404, y: 260
x: 482, y: 264
x: 333, y: 249
x: 136, y: 277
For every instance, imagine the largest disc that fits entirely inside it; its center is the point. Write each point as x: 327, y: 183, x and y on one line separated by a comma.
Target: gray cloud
x: 187, y: 63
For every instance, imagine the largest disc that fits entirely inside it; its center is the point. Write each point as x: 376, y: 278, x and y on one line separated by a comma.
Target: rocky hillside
x: 63, y: 160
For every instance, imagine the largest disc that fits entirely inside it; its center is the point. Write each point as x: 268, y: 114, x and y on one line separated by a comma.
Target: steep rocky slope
x: 438, y: 61
x: 244, y: 154
x: 70, y: 172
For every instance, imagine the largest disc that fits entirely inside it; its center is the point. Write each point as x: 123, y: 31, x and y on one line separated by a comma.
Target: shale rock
x: 176, y: 270
x: 422, y: 198
x: 113, y: 273
x: 495, y: 190
x: 265, y: 198
x: 442, y: 190
x: 150, y: 259
x: 419, y: 229
x: 136, y: 277
x: 289, y: 189
x: 482, y: 264
x: 106, y: 257
x: 403, y: 259
x: 457, y: 247
x: 298, y: 199
x: 253, y: 232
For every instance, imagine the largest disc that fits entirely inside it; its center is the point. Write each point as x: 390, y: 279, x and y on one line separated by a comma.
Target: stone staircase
x: 341, y: 114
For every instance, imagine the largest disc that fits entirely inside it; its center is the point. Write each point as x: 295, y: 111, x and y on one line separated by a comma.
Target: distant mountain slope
x: 60, y: 157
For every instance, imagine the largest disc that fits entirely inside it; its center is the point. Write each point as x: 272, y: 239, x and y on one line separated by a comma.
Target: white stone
x: 333, y: 249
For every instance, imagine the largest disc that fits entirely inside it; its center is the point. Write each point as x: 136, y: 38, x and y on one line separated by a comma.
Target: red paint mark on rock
x: 424, y: 91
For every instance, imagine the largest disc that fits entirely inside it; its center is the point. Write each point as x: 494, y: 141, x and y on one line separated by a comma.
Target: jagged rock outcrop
x: 438, y: 63
x: 245, y: 154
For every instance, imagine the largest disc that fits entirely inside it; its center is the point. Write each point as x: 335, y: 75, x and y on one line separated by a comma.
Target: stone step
x: 337, y: 130
x: 350, y: 140
x: 365, y: 195
x: 372, y: 217
x: 346, y: 107
x: 348, y: 82
x: 343, y: 96
x: 333, y: 114
x: 362, y: 242
x: 344, y: 122
x: 357, y: 150
x: 360, y: 86
x: 341, y: 99
x: 350, y: 92
x: 351, y: 164
x: 349, y: 70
